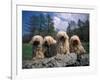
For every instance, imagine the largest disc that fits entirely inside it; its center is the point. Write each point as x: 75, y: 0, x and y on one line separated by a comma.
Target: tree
x: 42, y: 24
x: 82, y: 30
x: 69, y: 30
x: 51, y: 29
x: 37, y: 24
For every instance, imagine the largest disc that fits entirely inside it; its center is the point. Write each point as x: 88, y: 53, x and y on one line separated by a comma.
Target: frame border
x: 21, y: 35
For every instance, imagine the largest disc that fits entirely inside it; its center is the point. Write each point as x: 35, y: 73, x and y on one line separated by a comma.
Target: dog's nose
x: 75, y: 42
x: 62, y: 38
x: 46, y: 42
x: 36, y: 43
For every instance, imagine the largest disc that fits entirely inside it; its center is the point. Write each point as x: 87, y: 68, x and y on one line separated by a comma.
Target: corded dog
x: 62, y: 43
x: 49, y: 46
x: 76, y: 46
x: 37, y: 47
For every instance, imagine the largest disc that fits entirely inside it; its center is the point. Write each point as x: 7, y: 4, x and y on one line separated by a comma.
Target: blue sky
x: 60, y: 19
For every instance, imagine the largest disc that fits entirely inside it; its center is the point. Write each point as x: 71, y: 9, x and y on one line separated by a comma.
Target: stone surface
x: 60, y: 60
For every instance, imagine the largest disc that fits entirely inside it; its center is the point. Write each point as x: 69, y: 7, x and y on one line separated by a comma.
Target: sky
x: 60, y: 20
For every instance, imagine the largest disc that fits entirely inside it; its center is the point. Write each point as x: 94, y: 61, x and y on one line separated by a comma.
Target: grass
x: 27, y: 50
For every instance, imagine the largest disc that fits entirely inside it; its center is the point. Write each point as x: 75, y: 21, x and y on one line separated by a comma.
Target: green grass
x: 27, y: 50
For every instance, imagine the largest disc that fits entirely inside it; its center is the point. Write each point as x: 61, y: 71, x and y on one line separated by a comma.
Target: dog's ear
x: 31, y: 42
x: 66, y: 35
x: 54, y: 41
x: 42, y: 41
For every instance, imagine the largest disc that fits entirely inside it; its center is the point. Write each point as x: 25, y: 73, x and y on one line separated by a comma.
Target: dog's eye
x: 62, y: 38
x: 75, y: 42
x: 46, y: 42
x: 36, y: 43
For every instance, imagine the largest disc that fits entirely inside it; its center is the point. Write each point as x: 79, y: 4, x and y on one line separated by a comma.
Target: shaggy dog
x: 37, y: 42
x: 49, y: 46
x: 62, y: 43
x: 76, y: 45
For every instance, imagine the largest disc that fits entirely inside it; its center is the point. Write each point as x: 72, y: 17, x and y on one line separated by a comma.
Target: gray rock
x: 60, y: 60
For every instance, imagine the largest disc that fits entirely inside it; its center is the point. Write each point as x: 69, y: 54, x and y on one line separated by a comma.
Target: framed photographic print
x: 52, y: 40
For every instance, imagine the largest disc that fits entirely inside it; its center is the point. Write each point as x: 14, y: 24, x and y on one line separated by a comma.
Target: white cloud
x: 59, y: 24
x: 61, y: 19
x: 56, y: 22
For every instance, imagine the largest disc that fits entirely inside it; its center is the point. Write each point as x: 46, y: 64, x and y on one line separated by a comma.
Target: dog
x: 76, y: 45
x: 49, y: 46
x: 37, y: 47
x: 62, y: 43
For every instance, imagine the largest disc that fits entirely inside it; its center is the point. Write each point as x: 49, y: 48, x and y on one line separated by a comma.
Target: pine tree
x: 51, y: 29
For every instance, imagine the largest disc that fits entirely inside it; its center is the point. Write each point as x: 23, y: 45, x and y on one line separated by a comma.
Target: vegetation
x: 43, y: 25
x: 27, y: 50
x: 82, y: 30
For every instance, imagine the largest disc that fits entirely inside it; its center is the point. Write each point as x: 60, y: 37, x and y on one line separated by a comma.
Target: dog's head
x: 76, y: 45
x: 48, y: 40
x: 62, y: 36
x: 75, y: 40
x: 37, y: 40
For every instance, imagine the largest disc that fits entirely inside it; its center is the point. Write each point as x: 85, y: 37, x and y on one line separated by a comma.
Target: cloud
x: 60, y: 24
x: 56, y: 21
x: 61, y: 20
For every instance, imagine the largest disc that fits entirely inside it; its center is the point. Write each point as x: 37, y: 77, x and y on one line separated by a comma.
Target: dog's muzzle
x: 36, y: 43
x: 75, y: 42
x: 62, y: 38
x: 46, y: 43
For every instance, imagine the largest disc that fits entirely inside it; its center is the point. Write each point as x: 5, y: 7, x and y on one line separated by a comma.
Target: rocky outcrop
x: 58, y: 61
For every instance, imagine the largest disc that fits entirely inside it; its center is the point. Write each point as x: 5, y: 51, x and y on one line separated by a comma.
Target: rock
x: 84, y: 60
x: 60, y: 60
x: 27, y: 66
